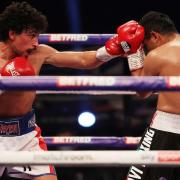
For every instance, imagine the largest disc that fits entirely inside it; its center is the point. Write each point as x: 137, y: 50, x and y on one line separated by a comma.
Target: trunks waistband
x: 18, y: 126
x: 166, y: 122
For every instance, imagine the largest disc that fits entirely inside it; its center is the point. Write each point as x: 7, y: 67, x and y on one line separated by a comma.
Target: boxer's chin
x: 29, y: 51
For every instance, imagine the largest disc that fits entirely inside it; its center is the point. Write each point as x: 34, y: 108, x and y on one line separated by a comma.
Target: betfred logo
x: 86, y: 81
x: 71, y: 140
x: 67, y: 37
x: 169, y: 156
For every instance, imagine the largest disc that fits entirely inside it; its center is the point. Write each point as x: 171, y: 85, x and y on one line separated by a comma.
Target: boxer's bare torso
x: 165, y: 61
x: 18, y: 103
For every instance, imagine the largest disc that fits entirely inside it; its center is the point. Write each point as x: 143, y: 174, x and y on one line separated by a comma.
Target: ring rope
x: 89, y: 92
x: 84, y: 83
x: 91, y: 158
x: 93, y: 141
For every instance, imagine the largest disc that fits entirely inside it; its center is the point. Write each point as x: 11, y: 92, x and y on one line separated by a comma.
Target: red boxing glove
x: 18, y: 66
x: 127, y: 41
x: 110, y: 50
x: 112, y: 46
x: 130, y: 36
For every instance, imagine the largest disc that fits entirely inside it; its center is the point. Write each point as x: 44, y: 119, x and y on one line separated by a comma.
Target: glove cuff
x: 136, y: 60
x: 103, y: 55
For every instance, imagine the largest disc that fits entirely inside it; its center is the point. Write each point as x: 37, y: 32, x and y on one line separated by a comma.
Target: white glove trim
x: 136, y: 60
x: 103, y: 55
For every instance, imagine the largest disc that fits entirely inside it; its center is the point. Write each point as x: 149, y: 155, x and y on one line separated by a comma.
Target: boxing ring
x: 97, y: 85
x: 89, y: 158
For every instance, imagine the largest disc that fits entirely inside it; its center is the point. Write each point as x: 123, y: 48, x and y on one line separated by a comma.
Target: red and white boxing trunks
x: 22, y: 134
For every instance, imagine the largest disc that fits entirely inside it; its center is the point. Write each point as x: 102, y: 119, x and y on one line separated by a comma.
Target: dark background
x: 117, y: 115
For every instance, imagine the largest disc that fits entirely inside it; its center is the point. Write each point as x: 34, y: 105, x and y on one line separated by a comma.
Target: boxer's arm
x: 84, y: 59
x: 140, y: 72
x: 131, y: 36
x: 151, y: 67
x: 72, y: 59
x: 137, y: 67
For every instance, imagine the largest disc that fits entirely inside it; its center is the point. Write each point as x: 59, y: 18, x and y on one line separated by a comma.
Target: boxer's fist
x: 110, y: 50
x: 127, y: 41
x: 130, y: 36
x: 18, y: 66
x: 112, y: 46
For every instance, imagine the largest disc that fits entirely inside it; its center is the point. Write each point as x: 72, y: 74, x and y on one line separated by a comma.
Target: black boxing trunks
x: 163, y: 134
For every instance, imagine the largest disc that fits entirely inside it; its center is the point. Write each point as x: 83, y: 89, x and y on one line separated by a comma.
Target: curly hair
x: 19, y: 17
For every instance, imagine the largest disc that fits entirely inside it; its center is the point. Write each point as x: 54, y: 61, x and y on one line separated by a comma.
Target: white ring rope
x: 90, y: 92
x: 91, y: 158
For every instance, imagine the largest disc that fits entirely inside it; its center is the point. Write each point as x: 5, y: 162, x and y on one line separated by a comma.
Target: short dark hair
x: 158, y: 22
x: 19, y: 17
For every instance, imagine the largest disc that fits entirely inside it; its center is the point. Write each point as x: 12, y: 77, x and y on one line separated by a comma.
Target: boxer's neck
x: 5, y: 52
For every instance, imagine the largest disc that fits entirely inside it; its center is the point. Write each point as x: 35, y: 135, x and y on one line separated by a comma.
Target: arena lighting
x: 86, y: 119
